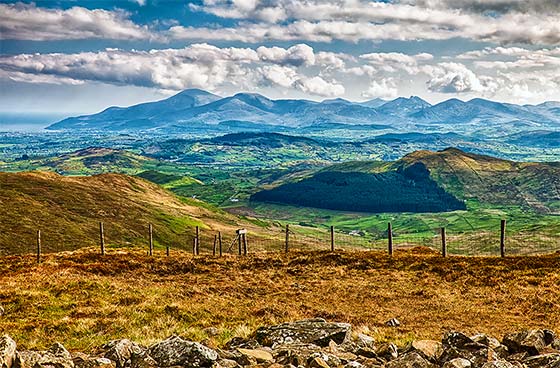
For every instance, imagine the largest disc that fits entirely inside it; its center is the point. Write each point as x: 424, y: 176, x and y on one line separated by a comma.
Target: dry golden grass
x: 84, y: 300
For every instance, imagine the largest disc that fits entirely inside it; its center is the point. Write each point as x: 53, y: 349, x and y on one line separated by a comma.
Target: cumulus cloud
x: 199, y: 65
x: 28, y: 22
x: 384, y: 88
x: 319, y: 86
x: 503, y: 21
x: 457, y: 78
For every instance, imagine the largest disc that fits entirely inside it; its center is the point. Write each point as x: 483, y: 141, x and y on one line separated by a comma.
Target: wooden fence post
x: 220, y: 241
x: 245, y: 251
x: 332, y: 238
x: 102, y: 238
x: 167, y: 251
x: 239, y: 243
x: 194, y: 246
x: 38, y: 246
x: 443, y: 243
x: 197, y: 242
x: 286, y: 246
x: 214, y: 246
x: 503, y: 238
x: 390, y: 239
x: 151, y: 238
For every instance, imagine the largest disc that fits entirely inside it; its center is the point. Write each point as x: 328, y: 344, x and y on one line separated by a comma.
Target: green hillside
x: 491, y: 180
x: 67, y: 211
x: 425, y: 181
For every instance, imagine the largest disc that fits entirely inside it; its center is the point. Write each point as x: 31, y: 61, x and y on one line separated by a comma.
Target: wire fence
x: 492, y: 241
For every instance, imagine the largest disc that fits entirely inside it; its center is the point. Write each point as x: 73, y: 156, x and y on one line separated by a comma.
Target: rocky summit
x: 312, y: 343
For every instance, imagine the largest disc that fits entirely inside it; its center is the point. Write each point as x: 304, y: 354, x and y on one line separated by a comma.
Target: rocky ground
x: 312, y: 343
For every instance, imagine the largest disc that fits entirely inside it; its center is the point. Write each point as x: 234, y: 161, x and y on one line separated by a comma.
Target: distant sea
x: 27, y: 123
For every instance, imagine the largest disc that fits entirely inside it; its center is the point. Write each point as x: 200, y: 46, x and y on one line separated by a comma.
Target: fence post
x: 503, y: 238
x: 102, y: 238
x: 214, y: 246
x: 197, y: 242
x: 245, y: 244
x: 220, y: 241
x: 239, y: 243
x: 38, y: 246
x: 390, y: 239
x: 151, y: 237
x: 332, y: 238
x: 286, y: 246
x: 443, y: 243
x: 194, y: 246
x: 167, y: 251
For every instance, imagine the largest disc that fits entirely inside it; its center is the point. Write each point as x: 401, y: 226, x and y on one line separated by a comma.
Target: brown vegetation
x: 82, y: 299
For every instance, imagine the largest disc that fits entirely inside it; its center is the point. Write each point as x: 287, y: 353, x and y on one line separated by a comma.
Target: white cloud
x: 457, y: 78
x: 319, y: 86
x: 27, y: 22
x: 384, y: 88
x: 502, y: 21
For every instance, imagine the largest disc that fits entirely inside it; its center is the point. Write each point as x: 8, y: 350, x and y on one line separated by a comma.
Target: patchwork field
x: 83, y: 300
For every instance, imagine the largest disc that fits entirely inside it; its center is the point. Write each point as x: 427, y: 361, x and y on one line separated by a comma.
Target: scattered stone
x: 410, y: 360
x: 543, y: 361
x: 7, y: 351
x: 498, y: 364
x: 56, y: 357
x: 317, y: 363
x: 458, y: 363
x: 83, y: 361
x: 227, y: 363
x: 175, y: 351
x: 393, y: 322
x: 259, y: 355
x: 316, y: 331
x: 122, y: 351
x: 387, y: 351
x: 531, y: 341
x: 428, y: 349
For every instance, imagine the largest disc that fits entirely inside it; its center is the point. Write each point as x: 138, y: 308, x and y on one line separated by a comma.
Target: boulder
x: 409, y: 360
x: 543, y: 361
x: 84, y: 361
x: 387, y: 351
x: 122, y: 351
x: 56, y: 357
x: 314, y: 331
x: 458, y: 363
x: 7, y: 351
x: 174, y: 351
x: 257, y: 355
x: 498, y: 364
x: 530, y: 341
x: 429, y: 349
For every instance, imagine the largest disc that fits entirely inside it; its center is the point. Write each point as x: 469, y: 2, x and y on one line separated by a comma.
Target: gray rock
x: 122, y: 351
x: 228, y: 363
x: 7, y: 351
x: 175, y: 351
x: 84, y: 361
x: 543, y: 361
x: 458, y: 363
x: 314, y: 331
x: 498, y: 364
x: 56, y: 357
x: 428, y: 349
x: 387, y: 351
x: 410, y: 360
x: 530, y: 341
x: 393, y: 322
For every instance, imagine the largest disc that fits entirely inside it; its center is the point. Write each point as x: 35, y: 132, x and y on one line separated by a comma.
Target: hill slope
x: 67, y: 211
x: 492, y: 180
x: 425, y: 181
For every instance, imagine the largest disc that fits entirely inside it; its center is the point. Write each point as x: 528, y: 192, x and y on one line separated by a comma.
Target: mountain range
x: 198, y: 109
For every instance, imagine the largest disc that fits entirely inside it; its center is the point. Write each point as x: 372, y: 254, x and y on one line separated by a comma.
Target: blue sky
x: 80, y: 56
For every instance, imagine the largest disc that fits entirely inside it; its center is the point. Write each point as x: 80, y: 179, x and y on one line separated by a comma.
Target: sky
x: 80, y: 56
